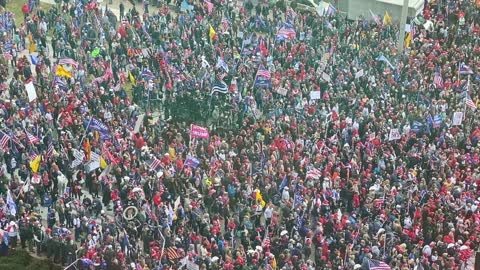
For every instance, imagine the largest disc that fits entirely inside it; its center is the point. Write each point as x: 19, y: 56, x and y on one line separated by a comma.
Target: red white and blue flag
x: 378, y: 265
x: 32, y: 139
x: 465, y: 70
x: 438, y: 80
x: 4, y: 139
x: 287, y: 31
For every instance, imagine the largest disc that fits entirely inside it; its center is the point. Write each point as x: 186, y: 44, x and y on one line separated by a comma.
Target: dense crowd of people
x: 211, y: 135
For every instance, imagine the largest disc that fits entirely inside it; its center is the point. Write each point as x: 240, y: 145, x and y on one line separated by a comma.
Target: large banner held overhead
x: 199, y: 132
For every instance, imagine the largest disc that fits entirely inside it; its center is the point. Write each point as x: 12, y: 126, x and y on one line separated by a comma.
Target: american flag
x: 286, y: 33
x: 378, y: 265
x: 375, y: 18
x: 50, y: 149
x: 14, y: 138
x: 469, y: 102
x: 464, y: 69
x: 31, y: 138
x: 68, y: 61
x: 33, y: 155
x: 154, y: 164
x: 263, y: 72
x: 61, y: 84
x: 315, y: 174
x: 172, y: 253
x: 438, y: 80
x: 4, y: 139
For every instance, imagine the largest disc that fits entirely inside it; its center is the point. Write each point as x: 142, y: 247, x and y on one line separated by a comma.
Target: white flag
x: 394, y: 134
x: 79, y: 156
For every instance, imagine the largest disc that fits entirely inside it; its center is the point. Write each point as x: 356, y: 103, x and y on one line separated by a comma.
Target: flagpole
x: 86, y: 130
x: 466, y: 96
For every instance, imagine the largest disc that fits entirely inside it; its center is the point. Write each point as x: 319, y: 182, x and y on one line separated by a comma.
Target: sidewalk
x: 114, y: 5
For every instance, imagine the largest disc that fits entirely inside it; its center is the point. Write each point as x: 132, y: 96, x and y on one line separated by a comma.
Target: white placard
x: 326, y: 77
x: 314, y: 95
x: 359, y: 74
x: 457, y: 118
x: 138, y: 123
x: 394, y: 134
x: 408, y: 28
x: 32, y: 94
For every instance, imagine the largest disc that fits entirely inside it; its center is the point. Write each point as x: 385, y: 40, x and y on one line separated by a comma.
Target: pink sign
x: 199, y: 132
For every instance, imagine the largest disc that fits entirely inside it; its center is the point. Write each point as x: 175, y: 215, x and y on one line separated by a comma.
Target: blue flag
x: 100, y: 127
x: 34, y: 59
x: 384, y: 59
x: 283, y: 184
x: 437, y: 121
x: 192, y: 162
x: 416, y: 127
x: 12, y: 207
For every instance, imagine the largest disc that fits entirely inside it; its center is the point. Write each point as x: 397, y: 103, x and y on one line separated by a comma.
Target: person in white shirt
x: 268, y: 214
x: 285, y: 195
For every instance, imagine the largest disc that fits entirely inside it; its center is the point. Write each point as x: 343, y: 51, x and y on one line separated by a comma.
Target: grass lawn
x: 21, y: 260
x: 15, y: 6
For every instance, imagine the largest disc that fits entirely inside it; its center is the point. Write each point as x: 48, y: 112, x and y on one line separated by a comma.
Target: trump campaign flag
x: 192, y: 162
x: 263, y: 78
x: 199, y: 132
x: 102, y: 129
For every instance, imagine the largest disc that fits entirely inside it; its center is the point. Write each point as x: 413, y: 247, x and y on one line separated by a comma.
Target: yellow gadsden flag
x: 212, y: 34
x: 32, y: 44
x: 386, y: 19
x: 259, y: 198
x: 408, y: 40
x: 132, y: 79
x: 61, y: 72
x: 35, y: 163
x: 103, y: 163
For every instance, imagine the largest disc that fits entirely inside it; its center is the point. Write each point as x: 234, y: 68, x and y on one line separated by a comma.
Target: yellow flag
x: 32, y: 43
x: 408, y: 40
x: 132, y: 79
x: 35, y: 164
x: 212, y: 34
x: 103, y: 163
x: 274, y: 264
x: 259, y: 198
x: 386, y: 19
x: 32, y: 47
x: 61, y: 72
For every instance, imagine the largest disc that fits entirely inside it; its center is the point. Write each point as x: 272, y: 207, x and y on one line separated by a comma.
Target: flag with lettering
x: 263, y: 78
x: 102, y: 129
